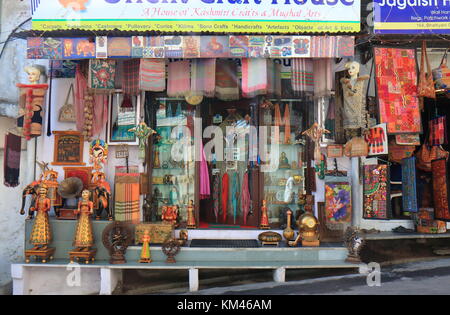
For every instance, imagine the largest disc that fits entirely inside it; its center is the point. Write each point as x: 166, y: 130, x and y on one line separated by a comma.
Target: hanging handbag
x: 426, y: 83
x: 428, y: 153
x: 441, y: 74
x: 67, y: 112
x: 399, y: 152
x: 357, y: 146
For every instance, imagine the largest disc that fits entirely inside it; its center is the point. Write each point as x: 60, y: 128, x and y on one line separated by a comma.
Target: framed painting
x: 68, y: 148
x: 327, y: 234
x: 338, y: 202
x: 123, y: 113
x: 376, y: 199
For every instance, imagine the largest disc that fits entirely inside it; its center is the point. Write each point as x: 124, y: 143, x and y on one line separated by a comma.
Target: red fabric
x: 225, y: 189
x: 245, y: 197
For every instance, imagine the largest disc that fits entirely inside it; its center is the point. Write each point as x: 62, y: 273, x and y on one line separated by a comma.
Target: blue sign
x: 412, y: 16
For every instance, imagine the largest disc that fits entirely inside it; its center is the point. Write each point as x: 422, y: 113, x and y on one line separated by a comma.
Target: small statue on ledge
x: 264, y: 216
x: 146, y: 256
x: 41, y: 234
x: 169, y: 214
x: 191, y: 222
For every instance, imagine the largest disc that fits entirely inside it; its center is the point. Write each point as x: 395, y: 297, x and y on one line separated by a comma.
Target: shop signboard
x: 412, y: 16
x: 216, y: 16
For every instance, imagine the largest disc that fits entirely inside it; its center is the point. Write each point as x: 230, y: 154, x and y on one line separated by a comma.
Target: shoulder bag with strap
x: 67, y: 112
x: 426, y: 83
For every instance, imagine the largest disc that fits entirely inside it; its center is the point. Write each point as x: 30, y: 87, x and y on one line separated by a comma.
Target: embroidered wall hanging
x: 376, y: 137
x: 396, y: 79
x: 376, y: 192
x: 440, y: 189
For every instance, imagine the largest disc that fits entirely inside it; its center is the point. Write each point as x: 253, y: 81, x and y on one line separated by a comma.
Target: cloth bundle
x: 203, y: 77
x: 179, y: 78
x: 302, y: 75
x: 152, y: 75
x: 227, y: 88
x: 254, y: 77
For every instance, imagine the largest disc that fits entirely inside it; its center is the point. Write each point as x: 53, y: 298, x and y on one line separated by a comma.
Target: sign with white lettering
x: 224, y: 16
x: 412, y: 16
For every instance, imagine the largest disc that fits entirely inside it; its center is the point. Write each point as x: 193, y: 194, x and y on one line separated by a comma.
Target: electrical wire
x: 8, y: 39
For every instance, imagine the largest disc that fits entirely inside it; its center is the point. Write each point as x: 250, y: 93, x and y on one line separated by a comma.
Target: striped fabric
x: 302, y: 75
x: 273, y: 78
x: 153, y: 75
x: 203, y: 77
x: 179, y: 78
x: 130, y: 84
x: 127, y: 197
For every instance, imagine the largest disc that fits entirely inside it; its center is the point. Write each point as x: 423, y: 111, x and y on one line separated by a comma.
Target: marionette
x: 31, y: 103
x: 355, y: 113
x: 264, y: 217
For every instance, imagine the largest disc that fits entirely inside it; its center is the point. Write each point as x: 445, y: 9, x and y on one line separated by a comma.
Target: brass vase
x: 288, y: 232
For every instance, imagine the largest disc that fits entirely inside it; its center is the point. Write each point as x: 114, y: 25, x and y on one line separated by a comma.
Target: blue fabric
x: 409, y: 186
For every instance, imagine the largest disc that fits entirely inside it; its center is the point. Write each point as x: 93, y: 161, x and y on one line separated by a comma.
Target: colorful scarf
x: 205, y: 188
x: 254, y: 77
x: 273, y: 78
x: 278, y: 123
x: 227, y: 88
x: 245, y: 197
x: 323, y: 69
x: 409, y: 188
x: 216, y: 196
x: 225, y: 188
x: 130, y: 82
x: 235, y: 195
x: 11, y: 160
x: 302, y: 76
x: 179, y: 78
x: 203, y: 77
x: 153, y: 75
x: 287, y: 124
x: 127, y: 197
x: 438, y: 133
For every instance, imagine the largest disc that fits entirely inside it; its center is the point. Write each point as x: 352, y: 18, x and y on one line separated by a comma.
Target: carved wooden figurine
x: 264, y: 216
x: 145, y: 252
x: 84, y: 235
x: 191, y: 222
x: 41, y: 234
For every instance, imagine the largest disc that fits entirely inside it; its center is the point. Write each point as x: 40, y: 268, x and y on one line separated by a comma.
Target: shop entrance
x: 234, y: 175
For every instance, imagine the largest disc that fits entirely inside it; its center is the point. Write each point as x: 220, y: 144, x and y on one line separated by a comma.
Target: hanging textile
x: 130, y: 82
x: 273, y: 78
x: 225, y: 189
x: 324, y: 72
x: 127, y: 197
x: 409, y: 186
x: 377, y: 139
x: 245, y: 197
x: 407, y: 139
x: 152, y: 75
x: 440, y: 189
x: 235, y: 195
x: 376, y: 192
x: 438, y: 132
x: 102, y: 74
x: 100, y: 109
x: 179, y: 78
x: 203, y: 77
x: 254, y: 77
x: 396, y: 81
x: 227, y: 88
x: 287, y: 124
x: 11, y: 160
x: 302, y: 76
x: 278, y: 123
x: 216, y: 196
x: 205, y: 189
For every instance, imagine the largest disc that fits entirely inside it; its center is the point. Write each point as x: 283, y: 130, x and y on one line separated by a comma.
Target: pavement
x: 416, y: 278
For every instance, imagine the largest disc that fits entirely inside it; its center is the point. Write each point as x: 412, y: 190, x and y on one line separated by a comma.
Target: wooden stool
x: 88, y: 256
x: 45, y: 255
